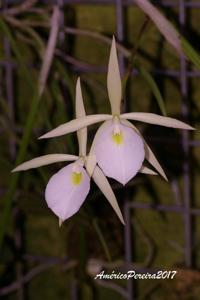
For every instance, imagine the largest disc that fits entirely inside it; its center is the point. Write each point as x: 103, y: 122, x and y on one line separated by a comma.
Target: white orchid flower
x: 68, y: 188
x: 118, y: 146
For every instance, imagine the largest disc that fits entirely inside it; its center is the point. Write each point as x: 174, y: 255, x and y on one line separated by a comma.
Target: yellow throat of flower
x: 76, y: 178
x: 117, y: 138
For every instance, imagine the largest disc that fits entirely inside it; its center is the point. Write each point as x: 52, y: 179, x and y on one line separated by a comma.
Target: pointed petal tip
x: 163, y: 175
x: 46, y: 136
x: 166, y: 179
x: 60, y: 222
x: 42, y: 137
x: 123, y: 222
x: 191, y: 128
x: 123, y: 183
x: 78, y: 82
x: 17, y: 169
x: 187, y: 127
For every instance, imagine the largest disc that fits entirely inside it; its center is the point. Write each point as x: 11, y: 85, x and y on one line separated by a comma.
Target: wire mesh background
x: 184, y: 75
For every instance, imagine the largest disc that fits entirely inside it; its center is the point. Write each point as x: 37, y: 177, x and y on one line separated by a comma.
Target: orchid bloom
x: 68, y: 188
x: 118, y: 146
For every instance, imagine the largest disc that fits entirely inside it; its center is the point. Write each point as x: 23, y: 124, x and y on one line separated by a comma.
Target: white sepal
x: 80, y: 112
x: 103, y: 184
x: 157, y: 120
x: 44, y: 160
x: 75, y: 125
x: 114, y: 81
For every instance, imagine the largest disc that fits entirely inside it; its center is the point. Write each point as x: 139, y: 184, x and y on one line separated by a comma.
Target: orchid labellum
x: 68, y: 188
x: 118, y: 146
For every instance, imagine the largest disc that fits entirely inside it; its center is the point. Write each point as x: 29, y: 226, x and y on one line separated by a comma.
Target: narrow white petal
x: 119, y: 156
x: 75, y: 125
x: 150, y: 157
x: 114, y: 80
x: 44, y: 160
x: 63, y: 195
x: 80, y: 112
x: 146, y: 170
x: 90, y: 164
x: 103, y: 184
x: 154, y: 162
x: 157, y: 120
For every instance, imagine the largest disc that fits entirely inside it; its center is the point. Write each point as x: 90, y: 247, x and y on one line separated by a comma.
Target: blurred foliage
x: 32, y: 233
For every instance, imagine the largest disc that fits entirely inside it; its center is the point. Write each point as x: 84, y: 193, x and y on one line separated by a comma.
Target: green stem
x: 102, y: 240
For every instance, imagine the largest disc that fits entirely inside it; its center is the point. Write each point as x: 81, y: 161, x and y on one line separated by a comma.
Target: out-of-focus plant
x: 37, y: 91
x: 181, y: 45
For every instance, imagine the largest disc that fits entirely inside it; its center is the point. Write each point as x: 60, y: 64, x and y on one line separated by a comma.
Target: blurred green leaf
x: 28, y: 127
x: 34, y: 105
x: 27, y: 77
x: 154, y: 88
x: 102, y: 239
x: 190, y: 52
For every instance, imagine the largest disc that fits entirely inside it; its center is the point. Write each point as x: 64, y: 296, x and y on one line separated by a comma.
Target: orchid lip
x: 124, y: 146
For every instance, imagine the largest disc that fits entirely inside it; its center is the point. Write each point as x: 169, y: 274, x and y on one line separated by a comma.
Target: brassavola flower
x: 118, y: 146
x: 68, y: 188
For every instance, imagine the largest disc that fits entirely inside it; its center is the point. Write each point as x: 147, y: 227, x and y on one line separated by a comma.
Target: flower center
x: 117, y: 138
x: 117, y: 135
x: 76, y: 178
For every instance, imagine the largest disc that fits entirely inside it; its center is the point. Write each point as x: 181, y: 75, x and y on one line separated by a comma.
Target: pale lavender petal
x: 63, y: 196
x: 122, y: 160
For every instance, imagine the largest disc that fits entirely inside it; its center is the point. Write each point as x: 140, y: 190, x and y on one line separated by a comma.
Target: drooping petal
x: 44, y: 160
x: 75, y: 125
x: 114, y: 81
x: 150, y: 157
x: 163, y: 25
x: 80, y: 112
x: 103, y: 184
x: 146, y: 170
x: 153, y: 161
x: 157, y: 120
x: 120, y: 155
x: 67, y: 190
